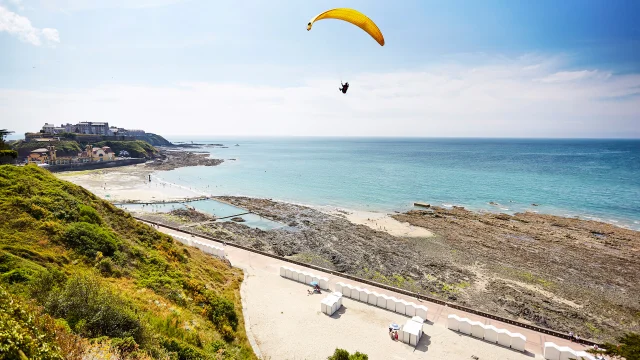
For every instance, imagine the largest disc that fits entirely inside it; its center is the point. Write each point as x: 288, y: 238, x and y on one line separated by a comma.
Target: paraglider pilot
x: 344, y: 87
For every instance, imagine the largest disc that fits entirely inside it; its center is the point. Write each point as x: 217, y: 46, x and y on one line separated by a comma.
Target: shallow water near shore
x: 593, y: 179
x: 224, y: 212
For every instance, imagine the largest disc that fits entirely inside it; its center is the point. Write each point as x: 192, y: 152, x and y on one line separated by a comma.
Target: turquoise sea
x: 596, y: 179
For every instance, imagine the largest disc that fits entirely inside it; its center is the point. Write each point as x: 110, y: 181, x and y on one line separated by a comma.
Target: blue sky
x: 518, y: 68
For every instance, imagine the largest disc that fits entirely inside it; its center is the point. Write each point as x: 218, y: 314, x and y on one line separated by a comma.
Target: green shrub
x: 93, y: 309
x: 88, y: 239
x: 628, y: 347
x: 223, y: 315
x: 125, y: 346
x: 21, y: 337
x: 45, y: 281
x: 358, y: 356
x: 107, y: 267
x: 63, y: 148
x: 89, y: 215
x: 136, y: 148
x: 341, y: 354
x: 183, y: 351
x: 8, y: 156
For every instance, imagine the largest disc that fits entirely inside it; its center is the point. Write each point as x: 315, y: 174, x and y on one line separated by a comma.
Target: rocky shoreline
x: 170, y: 159
x: 563, y: 274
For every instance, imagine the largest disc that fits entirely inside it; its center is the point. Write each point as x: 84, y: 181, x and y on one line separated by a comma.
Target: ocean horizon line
x: 210, y: 137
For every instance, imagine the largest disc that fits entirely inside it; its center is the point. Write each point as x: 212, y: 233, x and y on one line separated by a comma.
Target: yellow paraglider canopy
x: 352, y: 16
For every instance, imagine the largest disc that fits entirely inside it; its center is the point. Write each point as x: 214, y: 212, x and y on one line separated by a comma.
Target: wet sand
x: 128, y: 183
x: 381, y: 222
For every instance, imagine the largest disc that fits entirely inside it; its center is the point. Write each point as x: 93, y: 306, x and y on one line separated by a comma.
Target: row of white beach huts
x: 304, y: 277
x: 390, y: 303
x: 555, y: 352
x: 206, y: 248
x: 410, y: 333
x: 488, y: 333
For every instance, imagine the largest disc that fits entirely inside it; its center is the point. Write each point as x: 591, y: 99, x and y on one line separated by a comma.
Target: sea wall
x: 94, y: 165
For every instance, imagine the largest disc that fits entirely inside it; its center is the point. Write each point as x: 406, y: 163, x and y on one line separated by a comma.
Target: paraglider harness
x: 344, y: 87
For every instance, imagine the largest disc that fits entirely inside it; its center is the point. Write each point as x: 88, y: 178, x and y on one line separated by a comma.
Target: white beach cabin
x: 585, y: 355
x: 410, y: 309
x: 412, y: 332
x: 382, y: 301
x: 294, y: 274
x: 338, y: 287
x: 477, y: 329
x: 551, y: 351
x: 465, y: 326
x: 373, y: 298
x: 401, y: 306
x: 315, y: 278
x: 347, y: 290
x: 337, y: 295
x: 330, y: 304
x: 302, y: 276
x: 364, y: 295
x: 453, y: 322
x: 518, y: 341
x: 323, y: 282
x: 308, y: 278
x: 567, y: 353
x: 324, y: 304
x: 355, y: 293
x: 421, y: 311
x: 391, y: 303
x: 491, y: 333
x: 283, y: 271
x: 504, y: 337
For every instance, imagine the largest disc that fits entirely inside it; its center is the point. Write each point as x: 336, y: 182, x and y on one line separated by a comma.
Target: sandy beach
x: 380, y: 222
x: 287, y: 324
x: 128, y: 183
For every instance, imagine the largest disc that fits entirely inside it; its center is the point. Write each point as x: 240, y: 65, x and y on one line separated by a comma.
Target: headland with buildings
x: 86, y: 143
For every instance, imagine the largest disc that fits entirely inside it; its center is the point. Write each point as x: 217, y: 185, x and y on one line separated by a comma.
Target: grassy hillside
x: 155, y: 140
x: 65, y: 148
x: 80, y: 277
x: 137, y: 148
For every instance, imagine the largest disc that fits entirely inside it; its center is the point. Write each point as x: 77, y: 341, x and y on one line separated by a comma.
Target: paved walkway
x: 264, y: 290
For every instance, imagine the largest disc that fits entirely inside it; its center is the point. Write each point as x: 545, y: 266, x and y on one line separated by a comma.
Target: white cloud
x: 51, y: 35
x: 81, y: 5
x: 21, y: 27
x: 504, y: 99
x: 563, y: 76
